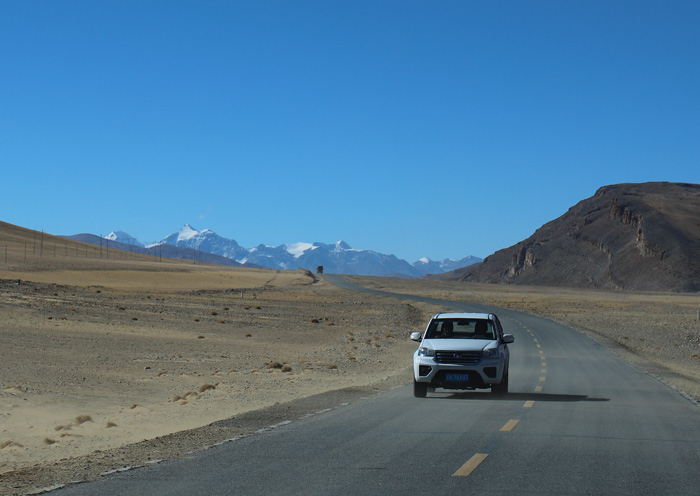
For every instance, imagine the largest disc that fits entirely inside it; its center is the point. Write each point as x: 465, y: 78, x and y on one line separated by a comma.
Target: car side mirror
x: 508, y: 338
x: 415, y: 336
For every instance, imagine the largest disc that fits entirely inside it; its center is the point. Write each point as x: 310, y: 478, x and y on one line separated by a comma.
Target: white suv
x: 461, y: 351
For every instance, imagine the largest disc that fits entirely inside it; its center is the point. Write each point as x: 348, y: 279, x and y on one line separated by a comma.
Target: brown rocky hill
x: 627, y: 236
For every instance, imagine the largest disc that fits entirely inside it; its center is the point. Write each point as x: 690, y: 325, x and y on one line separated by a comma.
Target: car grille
x: 461, y: 357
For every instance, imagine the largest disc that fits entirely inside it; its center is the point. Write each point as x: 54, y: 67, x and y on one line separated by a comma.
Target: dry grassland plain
x: 100, y: 355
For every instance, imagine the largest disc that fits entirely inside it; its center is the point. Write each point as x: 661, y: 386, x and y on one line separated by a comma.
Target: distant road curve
x: 578, y: 421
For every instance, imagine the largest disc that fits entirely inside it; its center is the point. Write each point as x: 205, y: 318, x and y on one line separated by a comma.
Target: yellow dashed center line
x: 466, y: 469
x: 510, y: 425
x: 538, y: 389
x: 528, y: 404
x: 542, y: 379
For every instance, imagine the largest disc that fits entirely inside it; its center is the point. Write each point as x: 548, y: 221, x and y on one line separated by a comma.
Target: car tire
x: 501, y: 388
x: 420, y: 389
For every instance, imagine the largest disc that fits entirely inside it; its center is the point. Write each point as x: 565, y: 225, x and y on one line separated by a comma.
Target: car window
x: 461, y: 329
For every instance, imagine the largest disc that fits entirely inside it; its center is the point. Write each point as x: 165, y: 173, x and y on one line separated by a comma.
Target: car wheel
x: 501, y: 388
x: 420, y: 389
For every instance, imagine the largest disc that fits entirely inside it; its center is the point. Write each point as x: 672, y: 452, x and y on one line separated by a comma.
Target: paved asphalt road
x: 578, y: 420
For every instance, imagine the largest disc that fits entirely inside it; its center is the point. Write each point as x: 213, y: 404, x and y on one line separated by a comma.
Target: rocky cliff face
x: 627, y: 236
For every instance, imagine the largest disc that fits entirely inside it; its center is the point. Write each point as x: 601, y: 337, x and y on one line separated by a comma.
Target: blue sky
x: 418, y: 128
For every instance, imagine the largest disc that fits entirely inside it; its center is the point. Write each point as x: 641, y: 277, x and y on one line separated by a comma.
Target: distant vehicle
x: 461, y: 351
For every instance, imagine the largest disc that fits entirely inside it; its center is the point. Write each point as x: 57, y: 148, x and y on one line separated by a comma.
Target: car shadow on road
x: 473, y: 396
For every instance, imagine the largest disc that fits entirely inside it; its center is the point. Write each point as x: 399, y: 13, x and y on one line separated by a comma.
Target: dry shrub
x: 61, y: 427
x: 287, y: 368
x: 9, y: 444
x: 330, y: 323
x: 110, y: 424
x: 122, y: 308
x: 274, y: 365
x: 206, y: 387
x: 332, y: 367
x: 189, y: 395
x: 226, y: 308
x: 81, y: 419
x: 134, y: 318
x: 135, y: 405
x: 247, y: 307
x: 249, y: 335
x: 258, y: 307
x: 222, y: 322
x: 196, y: 320
x: 314, y: 321
x: 49, y: 441
x: 200, y: 337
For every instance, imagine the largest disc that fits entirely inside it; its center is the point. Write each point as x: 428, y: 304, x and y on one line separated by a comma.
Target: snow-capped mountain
x: 125, y: 238
x: 207, y: 241
x: 427, y: 266
x: 338, y: 258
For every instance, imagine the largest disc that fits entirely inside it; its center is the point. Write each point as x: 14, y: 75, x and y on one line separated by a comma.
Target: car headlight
x: 426, y: 352
x: 489, y: 352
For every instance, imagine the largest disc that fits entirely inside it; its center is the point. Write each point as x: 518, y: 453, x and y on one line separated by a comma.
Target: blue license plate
x: 457, y: 377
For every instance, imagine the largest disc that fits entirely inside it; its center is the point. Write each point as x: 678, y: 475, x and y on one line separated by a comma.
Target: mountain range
x: 633, y: 236
x: 338, y: 258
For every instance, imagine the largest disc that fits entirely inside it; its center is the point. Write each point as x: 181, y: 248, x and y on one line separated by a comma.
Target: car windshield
x: 461, y: 329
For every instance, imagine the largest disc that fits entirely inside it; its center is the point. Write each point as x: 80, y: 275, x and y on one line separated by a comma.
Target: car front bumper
x: 484, y: 374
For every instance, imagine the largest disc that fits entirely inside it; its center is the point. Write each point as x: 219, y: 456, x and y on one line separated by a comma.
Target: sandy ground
x: 108, y: 358
x: 111, y: 365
